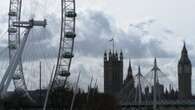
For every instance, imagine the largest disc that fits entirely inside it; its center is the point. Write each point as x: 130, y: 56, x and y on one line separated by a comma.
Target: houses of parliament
x: 113, y: 78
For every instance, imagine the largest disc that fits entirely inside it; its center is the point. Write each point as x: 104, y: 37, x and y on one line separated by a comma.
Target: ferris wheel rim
x: 62, y: 37
x: 14, y: 14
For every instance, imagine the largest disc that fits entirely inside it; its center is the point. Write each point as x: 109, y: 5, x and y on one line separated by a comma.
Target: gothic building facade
x: 184, y: 75
x: 113, y: 79
x: 113, y: 72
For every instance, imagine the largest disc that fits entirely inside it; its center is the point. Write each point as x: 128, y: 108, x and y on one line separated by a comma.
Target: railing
x: 172, y: 103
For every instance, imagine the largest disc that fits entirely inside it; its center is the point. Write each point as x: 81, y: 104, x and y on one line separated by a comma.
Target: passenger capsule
x: 64, y: 73
x: 71, y: 14
x: 67, y: 55
x: 16, y: 77
x: 70, y: 35
x: 12, y: 30
x: 12, y: 14
x: 12, y: 45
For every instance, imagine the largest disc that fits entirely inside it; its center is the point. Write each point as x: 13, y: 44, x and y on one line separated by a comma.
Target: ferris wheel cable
x: 3, y: 64
x: 3, y: 51
x: 49, y: 88
x: 33, y: 57
x: 45, y: 56
x: 11, y: 68
x: 167, y: 78
x: 29, y: 46
x: 26, y: 56
x: 36, y: 51
x: 3, y: 33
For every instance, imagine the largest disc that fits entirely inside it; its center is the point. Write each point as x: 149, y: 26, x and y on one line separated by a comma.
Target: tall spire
x: 155, y: 62
x: 139, y: 70
x: 155, y: 67
x: 121, y: 55
x: 184, y: 75
x: 184, y: 56
x: 139, y: 74
x: 129, y: 76
x: 105, y: 56
x: 138, y: 97
x: 129, y: 68
x: 184, y: 50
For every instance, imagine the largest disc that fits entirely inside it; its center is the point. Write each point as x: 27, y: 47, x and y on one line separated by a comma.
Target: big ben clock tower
x: 184, y: 75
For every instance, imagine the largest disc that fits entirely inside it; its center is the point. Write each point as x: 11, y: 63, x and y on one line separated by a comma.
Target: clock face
x: 184, y: 69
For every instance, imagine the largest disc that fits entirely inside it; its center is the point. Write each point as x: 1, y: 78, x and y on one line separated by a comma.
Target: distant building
x: 129, y: 84
x: 113, y: 72
x: 129, y: 77
x: 184, y: 75
x: 113, y: 79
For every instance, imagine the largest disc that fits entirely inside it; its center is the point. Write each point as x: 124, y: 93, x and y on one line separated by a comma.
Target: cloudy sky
x: 142, y: 29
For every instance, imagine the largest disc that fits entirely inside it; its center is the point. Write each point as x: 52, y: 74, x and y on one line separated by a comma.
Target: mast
x: 75, y: 93
x: 49, y: 88
x: 89, y: 89
x: 40, y: 83
x: 155, y: 82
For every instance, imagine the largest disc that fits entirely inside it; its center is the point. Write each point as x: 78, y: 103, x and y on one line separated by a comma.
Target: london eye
x: 18, y: 40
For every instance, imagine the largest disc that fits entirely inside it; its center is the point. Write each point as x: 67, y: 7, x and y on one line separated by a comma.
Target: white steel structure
x: 14, y: 43
x: 68, y: 17
x: 15, y: 70
x: 16, y: 59
x: 65, y: 55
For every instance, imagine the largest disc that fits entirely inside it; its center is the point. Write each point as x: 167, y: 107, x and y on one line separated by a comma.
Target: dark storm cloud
x: 95, y: 29
x: 138, y: 49
x: 41, y: 40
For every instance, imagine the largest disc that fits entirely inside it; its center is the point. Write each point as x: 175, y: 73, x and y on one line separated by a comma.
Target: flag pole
x: 74, y: 93
x: 113, y: 44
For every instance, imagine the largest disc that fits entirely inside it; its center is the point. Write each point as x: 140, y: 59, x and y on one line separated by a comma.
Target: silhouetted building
x: 138, y: 92
x: 129, y: 81
x: 113, y: 72
x: 184, y: 75
x: 159, y: 90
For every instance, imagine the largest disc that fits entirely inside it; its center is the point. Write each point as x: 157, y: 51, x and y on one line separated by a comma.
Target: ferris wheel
x: 65, y: 55
x: 14, y: 43
x: 16, y: 47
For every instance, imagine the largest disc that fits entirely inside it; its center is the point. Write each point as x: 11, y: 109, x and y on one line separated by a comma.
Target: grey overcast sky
x: 143, y: 29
